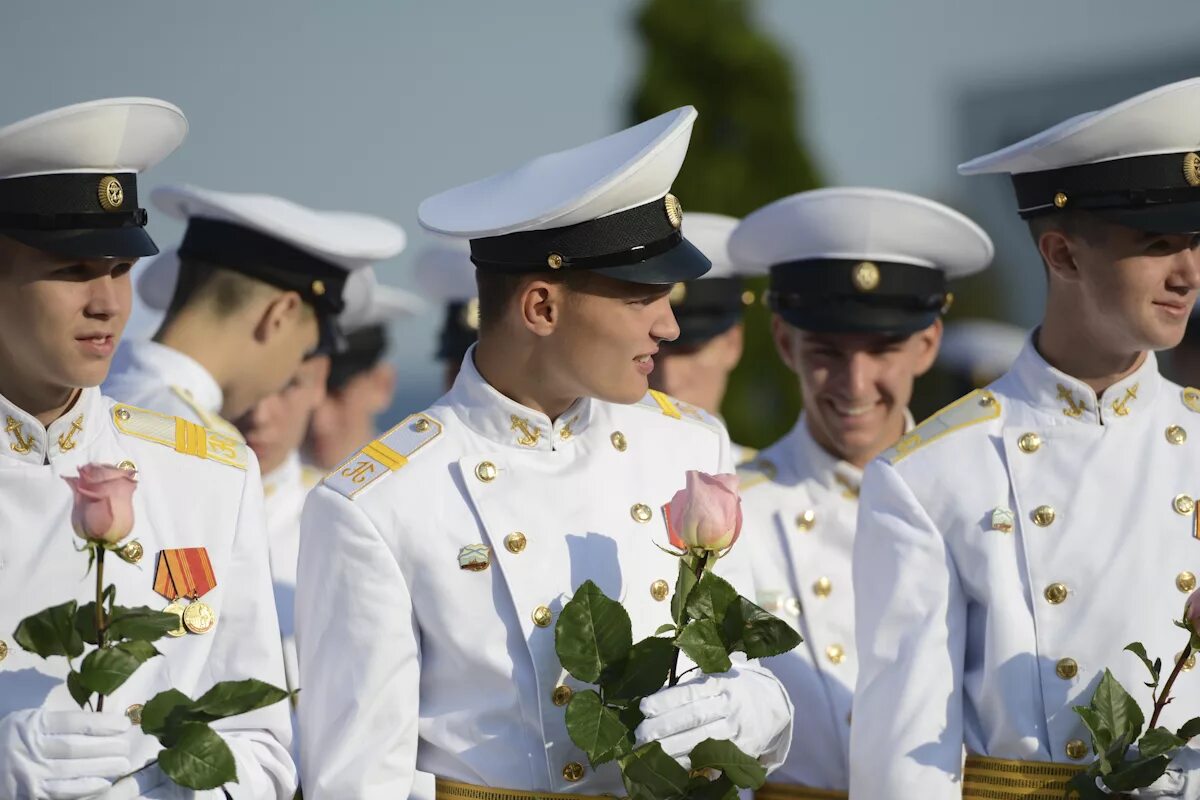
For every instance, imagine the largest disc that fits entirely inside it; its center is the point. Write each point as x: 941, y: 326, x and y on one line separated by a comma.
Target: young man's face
x: 607, y: 337
x: 60, y: 318
x: 698, y: 374
x: 856, y: 386
x: 1138, y: 286
x: 276, y: 425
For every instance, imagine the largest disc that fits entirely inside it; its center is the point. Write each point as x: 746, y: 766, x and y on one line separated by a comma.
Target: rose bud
x: 103, y: 510
x: 706, y: 514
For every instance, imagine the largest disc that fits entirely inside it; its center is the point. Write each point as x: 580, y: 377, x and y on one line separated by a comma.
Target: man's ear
x: 784, y: 336
x: 1055, y: 248
x: 278, y: 315
x: 928, y: 342
x: 541, y: 304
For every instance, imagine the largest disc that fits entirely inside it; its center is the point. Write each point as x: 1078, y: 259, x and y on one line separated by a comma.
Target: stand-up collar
x: 26, y: 440
x: 1069, y: 398
x: 505, y: 421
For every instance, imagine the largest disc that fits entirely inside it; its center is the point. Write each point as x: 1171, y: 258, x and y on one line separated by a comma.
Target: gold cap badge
x: 674, y: 211
x: 865, y: 276
x: 1191, y: 169
x: 111, y: 193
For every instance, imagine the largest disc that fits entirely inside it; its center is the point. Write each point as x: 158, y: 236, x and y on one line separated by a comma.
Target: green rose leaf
x: 104, y: 671
x: 1159, y: 742
x: 1137, y: 774
x: 683, y: 589
x: 141, y: 623
x: 1084, y: 785
x: 51, y: 632
x: 594, y: 728
x: 230, y: 698
x: 1102, y: 737
x: 593, y: 634
x: 702, y: 788
x: 1139, y: 650
x: 85, y: 623
x: 648, y: 772
x: 199, y: 759
x: 1119, y: 712
x: 164, y: 714
x: 756, y: 632
x: 724, y: 755
x: 1189, y: 729
x: 701, y: 640
x: 665, y: 629
x: 142, y: 651
x: 711, y: 598
x: 79, y: 693
x: 643, y: 673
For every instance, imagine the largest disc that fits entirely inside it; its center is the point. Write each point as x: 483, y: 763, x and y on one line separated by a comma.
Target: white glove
x: 747, y: 707
x: 61, y: 755
x: 151, y: 783
x: 1181, y: 781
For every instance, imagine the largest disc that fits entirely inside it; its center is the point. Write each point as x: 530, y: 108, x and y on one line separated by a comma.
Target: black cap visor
x: 683, y: 262
x: 124, y: 242
x: 1167, y: 218
x: 697, y: 328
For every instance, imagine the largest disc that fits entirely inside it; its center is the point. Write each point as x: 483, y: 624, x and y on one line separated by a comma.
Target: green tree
x: 745, y: 152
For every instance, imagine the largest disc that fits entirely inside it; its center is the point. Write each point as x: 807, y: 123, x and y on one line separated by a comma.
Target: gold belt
x: 452, y: 790
x: 1001, y: 779
x: 791, y: 791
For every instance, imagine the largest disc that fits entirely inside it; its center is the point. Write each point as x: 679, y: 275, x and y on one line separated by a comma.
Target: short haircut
x: 223, y: 291
x: 1073, y: 223
x: 497, y: 290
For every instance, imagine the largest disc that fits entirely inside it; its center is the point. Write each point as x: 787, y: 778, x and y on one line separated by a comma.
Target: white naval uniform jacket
x: 284, y: 492
x: 970, y: 634
x: 150, y: 375
x: 799, y: 505
x: 407, y: 660
x: 181, y: 501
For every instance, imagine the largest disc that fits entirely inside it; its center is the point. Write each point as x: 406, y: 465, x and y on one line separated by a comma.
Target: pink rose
x: 103, y: 509
x: 706, y: 514
x: 1191, y: 611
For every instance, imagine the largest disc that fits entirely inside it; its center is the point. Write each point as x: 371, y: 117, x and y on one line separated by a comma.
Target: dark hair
x: 497, y: 290
x: 223, y: 290
x: 1081, y: 224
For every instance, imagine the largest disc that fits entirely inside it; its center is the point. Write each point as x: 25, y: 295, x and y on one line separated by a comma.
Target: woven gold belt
x: 790, y: 791
x: 1001, y: 779
x: 452, y: 790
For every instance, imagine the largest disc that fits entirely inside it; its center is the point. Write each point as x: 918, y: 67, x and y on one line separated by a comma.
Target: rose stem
x: 683, y: 621
x: 100, y: 609
x: 1165, y: 697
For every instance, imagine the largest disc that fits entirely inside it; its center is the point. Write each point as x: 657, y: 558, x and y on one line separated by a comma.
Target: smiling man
x: 442, y: 552
x: 70, y: 231
x: 859, y: 282
x: 1010, y: 547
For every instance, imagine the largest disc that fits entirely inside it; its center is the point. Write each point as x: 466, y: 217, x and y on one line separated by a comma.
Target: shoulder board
x: 214, y: 422
x: 184, y: 436
x: 385, y: 455
x: 1191, y: 399
x: 676, y: 409
x: 978, y: 406
x: 747, y: 455
x: 752, y: 473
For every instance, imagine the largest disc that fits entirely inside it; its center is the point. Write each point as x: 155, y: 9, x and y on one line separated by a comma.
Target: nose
x: 1189, y: 265
x: 665, y: 327
x: 859, y: 374
x: 104, y: 297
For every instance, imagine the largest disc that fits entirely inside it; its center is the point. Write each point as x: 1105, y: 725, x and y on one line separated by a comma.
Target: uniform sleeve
x: 250, y: 647
x: 356, y: 636
x: 906, y: 740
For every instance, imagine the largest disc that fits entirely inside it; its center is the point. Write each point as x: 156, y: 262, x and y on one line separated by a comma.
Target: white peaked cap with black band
x: 1136, y: 163
x: 604, y: 207
x: 69, y: 177
x: 713, y: 303
x: 860, y: 259
x: 445, y: 274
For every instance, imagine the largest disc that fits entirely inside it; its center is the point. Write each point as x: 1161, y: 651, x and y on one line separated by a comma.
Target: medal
x: 186, y: 574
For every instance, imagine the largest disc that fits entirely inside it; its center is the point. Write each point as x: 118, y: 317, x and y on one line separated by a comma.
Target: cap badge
x: 111, y: 193
x: 1191, y: 169
x: 674, y: 210
x: 678, y: 294
x: 865, y: 276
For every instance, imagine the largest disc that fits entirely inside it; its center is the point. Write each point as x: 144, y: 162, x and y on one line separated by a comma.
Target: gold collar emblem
x: 66, y: 441
x: 1073, y: 410
x: 528, y: 435
x: 23, y: 445
x: 1121, y: 406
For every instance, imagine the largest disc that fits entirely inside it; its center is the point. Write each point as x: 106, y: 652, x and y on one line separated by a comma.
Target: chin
x: 625, y: 394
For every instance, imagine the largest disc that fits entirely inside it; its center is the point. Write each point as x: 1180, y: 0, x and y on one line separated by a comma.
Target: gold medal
x: 199, y: 617
x: 176, y: 609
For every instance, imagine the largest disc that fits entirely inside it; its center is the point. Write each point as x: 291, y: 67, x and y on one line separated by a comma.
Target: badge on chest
x: 183, y: 576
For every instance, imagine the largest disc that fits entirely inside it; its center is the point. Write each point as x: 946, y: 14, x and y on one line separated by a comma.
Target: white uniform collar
x: 504, y: 420
x: 289, y: 472
x: 26, y: 440
x: 182, y: 372
x: 1067, y: 397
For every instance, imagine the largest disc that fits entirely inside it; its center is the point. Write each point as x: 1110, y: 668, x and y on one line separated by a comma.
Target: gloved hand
x: 744, y: 706
x: 1181, y: 781
x: 151, y: 783
x: 61, y: 755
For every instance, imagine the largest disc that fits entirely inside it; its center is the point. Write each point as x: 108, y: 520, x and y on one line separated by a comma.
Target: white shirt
x: 451, y: 675
x: 971, y: 634
x: 181, y: 501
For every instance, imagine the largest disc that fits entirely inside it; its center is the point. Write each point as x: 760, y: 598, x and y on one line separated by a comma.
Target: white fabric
x: 450, y: 675
x: 710, y: 234
x: 621, y: 171
x: 383, y: 305
x: 957, y: 641
x: 181, y: 501
x: 861, y: 224
x: 62, y: 755
x: 444, y: 272
x: 1162, y: 120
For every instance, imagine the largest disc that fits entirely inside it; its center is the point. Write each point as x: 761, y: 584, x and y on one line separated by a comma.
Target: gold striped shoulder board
x: 979, y: 406
x: 668, y: 406
x: 385, y: 455
x: 1191, y: 399
x: 184, y: 436
x: 214, y: 422
x: 754, y: 472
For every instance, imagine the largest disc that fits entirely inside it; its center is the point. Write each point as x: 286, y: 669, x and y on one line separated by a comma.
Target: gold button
x: 134, y: 712
x: 806, y: 519
x: 123, y: 414
x: 561, y: 695
x: 1066, y: 668
x: 1060, y: 200
x: 421, y: 425
x: 1043, y: 515
x: 573, y: 771
x: 132, y: 552
x: 835, y: 653
x: 987, y: 399
x: 618, y: 441
x: 127, y: 465
x: 1188, y: 665
x: 542, y: 616
x: 1176, y: 435
x: 1185, y: 582
x: 3, y: 649
x: 1183, y: 504
x: 641, y: 512
x: 515, y: 542
x: 1076, y: 749
x: 318, y: 288
x: 554, y: 260
x: 822, y: 586
x: 1029, y: 442
x: 1056, y: 593
x: 660, y: 589
x: 486, y: 471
